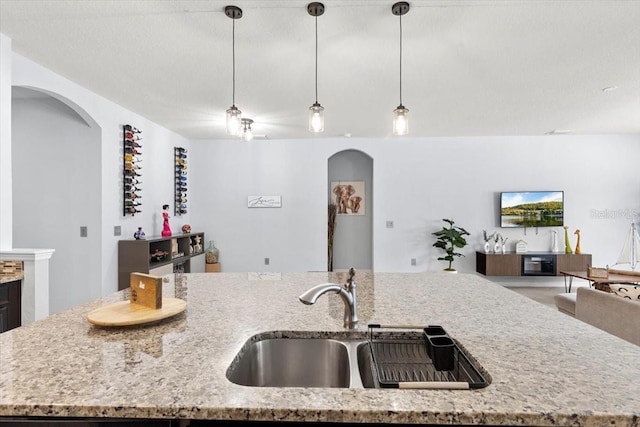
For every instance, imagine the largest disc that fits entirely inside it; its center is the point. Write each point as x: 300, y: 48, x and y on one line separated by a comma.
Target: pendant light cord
x: 316, y: 59
x: 233, y: 56
x: 400, y: 59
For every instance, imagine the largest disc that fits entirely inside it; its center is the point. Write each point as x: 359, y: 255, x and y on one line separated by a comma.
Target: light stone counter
x: 547, y: 368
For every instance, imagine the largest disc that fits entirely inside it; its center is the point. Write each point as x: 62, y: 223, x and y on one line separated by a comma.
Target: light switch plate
x: 83, y: 231
x: 117, y: 230
x: 389, y: 224
x: 266, y: 261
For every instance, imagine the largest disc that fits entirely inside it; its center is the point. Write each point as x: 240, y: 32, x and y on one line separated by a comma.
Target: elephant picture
x: 349, y: 197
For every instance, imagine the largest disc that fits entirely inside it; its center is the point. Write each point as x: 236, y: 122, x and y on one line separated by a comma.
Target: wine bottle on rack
x: 129, y: 187
x: 131, y: 172
x: 131, y: 196
x: 132, y: 151
x: 133, y: 144
x: 132, y: 181
x: 131, y: 129
x: 133, y: 211
x: 131, y: 203
x: 129, y: 158
x: 131, y: 136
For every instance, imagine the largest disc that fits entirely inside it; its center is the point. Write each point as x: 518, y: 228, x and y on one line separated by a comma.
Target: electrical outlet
x: 83, y: 231
x: 266, y: 261
x: 413, y: 261
x: 117, y: 230
x: 389, y: 224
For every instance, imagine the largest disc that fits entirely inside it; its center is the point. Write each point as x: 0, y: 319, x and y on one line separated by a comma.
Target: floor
x: 543, y: 295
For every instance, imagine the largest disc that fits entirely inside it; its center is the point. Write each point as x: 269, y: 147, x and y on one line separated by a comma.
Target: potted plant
x: 449, y: 239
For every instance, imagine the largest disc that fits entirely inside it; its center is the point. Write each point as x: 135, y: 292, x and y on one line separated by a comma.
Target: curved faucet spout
x: 347, y: 293
x: 311, y: 296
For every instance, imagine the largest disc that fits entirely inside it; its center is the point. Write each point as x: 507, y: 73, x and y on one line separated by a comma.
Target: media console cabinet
x: 530, y: 263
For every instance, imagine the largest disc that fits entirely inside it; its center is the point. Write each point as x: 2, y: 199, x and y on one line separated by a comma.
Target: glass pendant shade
x: 247, y: 132
x: 234, y: 121
x: 316, y: 118
x: 401, y: 120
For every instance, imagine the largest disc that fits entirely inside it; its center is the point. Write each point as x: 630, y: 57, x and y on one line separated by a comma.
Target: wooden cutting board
x: 124, y: 313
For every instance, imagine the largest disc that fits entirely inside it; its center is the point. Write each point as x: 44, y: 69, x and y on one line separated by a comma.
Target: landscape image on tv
x: 532, y: 209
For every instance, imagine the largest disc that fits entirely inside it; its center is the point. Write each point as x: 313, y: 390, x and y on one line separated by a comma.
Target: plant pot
x: 450, y: 271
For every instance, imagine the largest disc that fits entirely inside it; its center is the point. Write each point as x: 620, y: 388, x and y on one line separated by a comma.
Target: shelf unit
x: 513, y: 264
x: 137, y: 256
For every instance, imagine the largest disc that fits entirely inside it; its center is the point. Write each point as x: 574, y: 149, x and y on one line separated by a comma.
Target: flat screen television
x: 531, y: 209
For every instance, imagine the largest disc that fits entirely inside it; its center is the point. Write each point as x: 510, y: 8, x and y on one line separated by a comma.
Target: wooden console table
x: 621, y: 279
x: 513, y: 264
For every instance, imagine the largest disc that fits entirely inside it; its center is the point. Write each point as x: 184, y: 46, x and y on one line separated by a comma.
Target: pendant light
x: 401, y: 113
x: 316, y: 111
x: 234, y: 115
x: 247, y: 132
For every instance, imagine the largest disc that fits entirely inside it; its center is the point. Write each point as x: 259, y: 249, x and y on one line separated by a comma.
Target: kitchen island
x: 546, y: 368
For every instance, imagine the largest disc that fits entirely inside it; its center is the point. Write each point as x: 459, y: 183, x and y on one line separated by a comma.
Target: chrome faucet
x: 347, y: 292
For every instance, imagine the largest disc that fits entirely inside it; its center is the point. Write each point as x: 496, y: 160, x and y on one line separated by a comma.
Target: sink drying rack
x: 410, y: 360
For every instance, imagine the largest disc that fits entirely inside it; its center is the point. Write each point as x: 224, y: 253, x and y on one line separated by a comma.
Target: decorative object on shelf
x: 487, y: 238
x: 166, y: 229
x: 130, y: 170
x: 186, y: 229
x: 316, y: 111
x: 567, y: 243
x: 521, y: 247
x: 332, y: 211
x: 139, y: 235
x: 496, y: 246
x: 598, y: 272
x: 158, y: 255
x: 197, y: 247
x: 350, y: 197
x: 212, y: 254
x: 554, y: 241
x: 578, y: 250
x: 264, y: 201
x: 234, y: 115
x: 503, y: 243
x: 448, y: 239
x: 401, y: 113
x: 180, y: 190
x: 630, y: 253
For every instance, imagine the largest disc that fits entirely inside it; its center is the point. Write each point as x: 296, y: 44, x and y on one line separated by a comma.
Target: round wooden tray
x: 124, y: 313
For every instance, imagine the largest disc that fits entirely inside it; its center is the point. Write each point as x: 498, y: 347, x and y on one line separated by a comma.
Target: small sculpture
x: 139, y: 235
x: 166, y: 229
x: 578, y: 251
x: 554, y: 241
x: 567, y: 243
x: 497, y: 247
x: 487, y: 238
x: 186, y: 229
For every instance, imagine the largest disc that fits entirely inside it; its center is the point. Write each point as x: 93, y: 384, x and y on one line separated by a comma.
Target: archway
x: 56, y: 167
x: 350, y: 187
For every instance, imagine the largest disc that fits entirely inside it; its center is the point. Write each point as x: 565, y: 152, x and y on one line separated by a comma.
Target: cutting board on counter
x: 145, y: 304
x: 125, y: 313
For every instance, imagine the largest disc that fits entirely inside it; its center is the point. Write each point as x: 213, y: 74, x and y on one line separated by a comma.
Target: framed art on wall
x: 349, y: 197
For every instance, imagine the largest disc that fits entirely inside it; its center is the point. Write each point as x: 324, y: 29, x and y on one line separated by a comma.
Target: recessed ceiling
x: 470, y: 67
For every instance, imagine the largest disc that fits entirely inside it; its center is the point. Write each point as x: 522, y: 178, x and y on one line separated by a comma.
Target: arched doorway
x: 57, y: 169
x: 351, y: 189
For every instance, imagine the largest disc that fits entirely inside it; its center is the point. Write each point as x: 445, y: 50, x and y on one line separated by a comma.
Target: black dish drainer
x: 408, y: 360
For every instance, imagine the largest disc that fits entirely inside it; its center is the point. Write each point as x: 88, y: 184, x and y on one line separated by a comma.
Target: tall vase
x: 567, y: 243
x: 212, y: 254
x: 554, y: 241
x: 497, y: 248
x: 487, y: 247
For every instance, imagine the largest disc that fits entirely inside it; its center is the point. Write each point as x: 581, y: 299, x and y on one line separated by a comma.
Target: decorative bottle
x: 211, y: 254
x: 567, y: 243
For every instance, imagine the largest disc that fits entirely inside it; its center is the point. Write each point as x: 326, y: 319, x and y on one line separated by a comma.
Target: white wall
x: 417, y: 182
x: 6, y: 224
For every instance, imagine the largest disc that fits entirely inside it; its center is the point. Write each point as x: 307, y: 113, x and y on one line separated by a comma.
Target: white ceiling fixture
x: 401, y: 113
x: 234, y: 115
x: 316, y: 111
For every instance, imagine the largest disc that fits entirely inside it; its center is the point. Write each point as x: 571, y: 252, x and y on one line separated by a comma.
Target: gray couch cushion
x: 618, y: 316
x: 566, y: 303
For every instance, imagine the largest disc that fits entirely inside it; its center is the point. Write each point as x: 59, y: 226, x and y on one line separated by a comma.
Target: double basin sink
x: 304, y: 362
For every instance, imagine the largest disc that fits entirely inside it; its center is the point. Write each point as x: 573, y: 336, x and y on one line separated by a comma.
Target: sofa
x: 612, y: 313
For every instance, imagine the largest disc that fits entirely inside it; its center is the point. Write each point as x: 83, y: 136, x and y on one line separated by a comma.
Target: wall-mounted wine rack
x: 180, y: 156
x: 131, y: 160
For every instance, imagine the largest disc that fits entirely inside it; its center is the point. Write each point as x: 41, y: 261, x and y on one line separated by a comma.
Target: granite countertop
x: 6, y: 278
x: 547, y: 368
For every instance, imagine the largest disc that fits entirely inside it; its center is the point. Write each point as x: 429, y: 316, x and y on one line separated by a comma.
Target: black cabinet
x: 10, y: 305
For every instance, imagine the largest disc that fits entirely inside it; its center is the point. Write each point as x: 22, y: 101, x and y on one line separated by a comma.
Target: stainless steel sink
x: 293, y: 362
x: 339, y: 362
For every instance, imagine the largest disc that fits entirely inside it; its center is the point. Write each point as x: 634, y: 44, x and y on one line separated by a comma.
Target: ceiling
x: 470, y: 67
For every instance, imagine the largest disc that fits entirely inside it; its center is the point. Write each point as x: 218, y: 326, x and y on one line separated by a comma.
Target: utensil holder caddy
x: 422, y: 356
